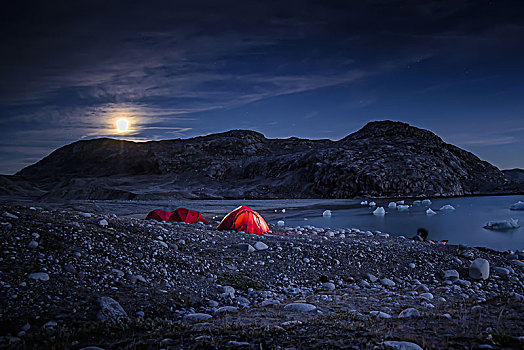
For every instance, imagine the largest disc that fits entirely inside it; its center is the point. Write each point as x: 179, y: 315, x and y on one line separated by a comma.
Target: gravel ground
x: 71, y: 279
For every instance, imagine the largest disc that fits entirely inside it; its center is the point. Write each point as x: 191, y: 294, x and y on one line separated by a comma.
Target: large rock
x: 39, y: 276
x: 246, y: 247
x: 479, y: 269
x: 401, y: 345
x: 110, y: 310
x: 193, y: 318
x: 300, y: 307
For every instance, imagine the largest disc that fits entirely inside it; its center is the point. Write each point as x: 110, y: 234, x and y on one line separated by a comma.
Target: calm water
x: 463, y: 225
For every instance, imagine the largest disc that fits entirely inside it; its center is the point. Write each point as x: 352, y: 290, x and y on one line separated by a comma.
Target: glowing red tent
x: 244, y: 219
x: 186, y: 215
x: 158, y: 215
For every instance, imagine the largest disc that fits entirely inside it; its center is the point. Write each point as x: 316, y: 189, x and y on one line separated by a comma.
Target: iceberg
x: 517, y: 206
x: 400, y: 202
x: 283, y: 210
x: 402, y: 207
x: 416, y: 203
x: 447, y: 207
x: 364, y: 203
x: 326, y: 213
x: 426, y: 202
x: 280, y: 223
x: 379, y: 211
x: 499, y: 225
x: 430, y: 212
x: 392, y: 205
x: 372, y: 204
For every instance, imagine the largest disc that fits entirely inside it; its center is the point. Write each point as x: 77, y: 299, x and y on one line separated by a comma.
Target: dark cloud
x: 186, y: 68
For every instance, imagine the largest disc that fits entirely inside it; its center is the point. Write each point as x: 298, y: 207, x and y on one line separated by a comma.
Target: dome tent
x: 187, y: 215
x: 244, y: 219
x: 158, y: 215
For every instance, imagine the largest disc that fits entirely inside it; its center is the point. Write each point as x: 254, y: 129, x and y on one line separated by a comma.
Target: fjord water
x: 464, y: 225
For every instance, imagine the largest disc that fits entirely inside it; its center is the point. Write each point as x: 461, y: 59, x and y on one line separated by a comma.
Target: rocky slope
x: 71, y: 279
x: 382, y: 159
x: 515, y: 175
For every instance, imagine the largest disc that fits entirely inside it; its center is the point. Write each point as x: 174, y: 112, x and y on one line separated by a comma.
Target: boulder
x: 479, y: 269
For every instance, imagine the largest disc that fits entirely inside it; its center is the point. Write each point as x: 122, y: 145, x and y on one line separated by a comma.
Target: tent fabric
x: 244, y: 219
x: 187, y: 215
x: 158, y: 215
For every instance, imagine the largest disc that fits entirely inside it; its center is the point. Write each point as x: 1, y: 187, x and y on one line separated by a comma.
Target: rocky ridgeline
x: 382, y: 159
x: 74, y: 279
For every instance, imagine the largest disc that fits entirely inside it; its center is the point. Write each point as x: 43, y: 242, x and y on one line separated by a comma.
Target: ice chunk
x: 430, y: 212
x: 392, y: 205
x: 517, y: 206
x: 447, y: 207
x: 280, y: 223
x: 364, y: 203
x: 400, y: 202
x: 326, y: 213
x: 416, y: 203
x: 283, y: 210
x: 499, y: 225
x: 426, y: 202
x: 402, y: 207
x: 372, y: 204
x: 379, y: 211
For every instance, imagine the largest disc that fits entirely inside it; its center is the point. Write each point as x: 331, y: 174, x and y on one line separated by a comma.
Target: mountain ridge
x: 384, y: 158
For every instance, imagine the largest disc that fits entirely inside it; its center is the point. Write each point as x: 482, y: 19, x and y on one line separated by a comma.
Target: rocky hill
x: 515, y: 175
x: 384, y: 158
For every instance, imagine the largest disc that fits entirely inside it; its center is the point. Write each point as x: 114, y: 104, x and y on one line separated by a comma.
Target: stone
x: 239, y: 343
x: 226, y: 291
x: 33, y: 244
x: 380, y: 314
x: 468, y: 254
x: 328, y: 286
x: 427, y: 296
x: 479, y: 269
x: 401, y: 345
x: 103, y: 222
x: 409, y: 312
x: 300, y: 307
x: 422, y: 288
x: 451, y: 275
x: 387, y: 282
x: 10, y: 216
x: 246, y: 247
x: 226, y: 310
x: 69, y: 268
x: 197, y: 317
x: 39, y: 276
x: 260, y: 246
x: 371, y: 277
x: 110, y: 309
x: 501, y: 271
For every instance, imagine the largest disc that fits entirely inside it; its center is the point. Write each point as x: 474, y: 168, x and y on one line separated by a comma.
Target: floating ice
x: 517, y: 206
x: 379, y: 211
x: 400, y: 202
x: 280, y: 223
x: 430, y: 212
x: 392, y: 205
x: 416, y: 202
x: 447, y: 207
x: 326, y: 213
x: 364, y: 203
x: 402, y: 207
x: 426, y: 202
x: 283, y: 210
x: 499, y: 225
x: 372, y: 204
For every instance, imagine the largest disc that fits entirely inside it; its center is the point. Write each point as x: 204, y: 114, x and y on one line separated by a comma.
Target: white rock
x: 326, y: 213
x: 260, y: 246
x: 401, y: 345
x: 479, y: 269
x: 379, y: 211
x: 39, y: 276
x: 430, y: 212
x: 409, y: 312
x: 300, y: 307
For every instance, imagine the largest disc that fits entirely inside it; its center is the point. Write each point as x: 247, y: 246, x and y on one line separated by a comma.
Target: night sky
x: 312, y: 69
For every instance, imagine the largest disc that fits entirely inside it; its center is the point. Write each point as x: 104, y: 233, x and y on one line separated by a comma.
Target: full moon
x: 122, y: 125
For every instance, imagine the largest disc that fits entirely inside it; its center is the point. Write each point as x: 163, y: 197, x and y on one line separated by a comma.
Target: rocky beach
x: 73, y: 278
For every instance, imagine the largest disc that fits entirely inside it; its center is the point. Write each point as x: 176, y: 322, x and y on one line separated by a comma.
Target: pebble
x: 451, y: 275
x: 300, y: 307
x: 427, y: 296
x: 10, y: 216
x: 328, y: 286
x: 33, y: 244
x: 479, y: 269
x: 103, y: 222
x: 260, y: 246
x: 409, y: 312
x: 387, y: 282
x: 501, y: 271
x: 371, y: 277
x: 380, y: 314
x: 110, y: 309
x: 39, y: 276
x: 246, y: 247
x: 193, y: 318
x: 401, y: 345
x: 226, y: 310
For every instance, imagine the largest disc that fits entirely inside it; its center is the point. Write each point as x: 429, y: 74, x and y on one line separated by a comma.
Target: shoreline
x: 191, y: 281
